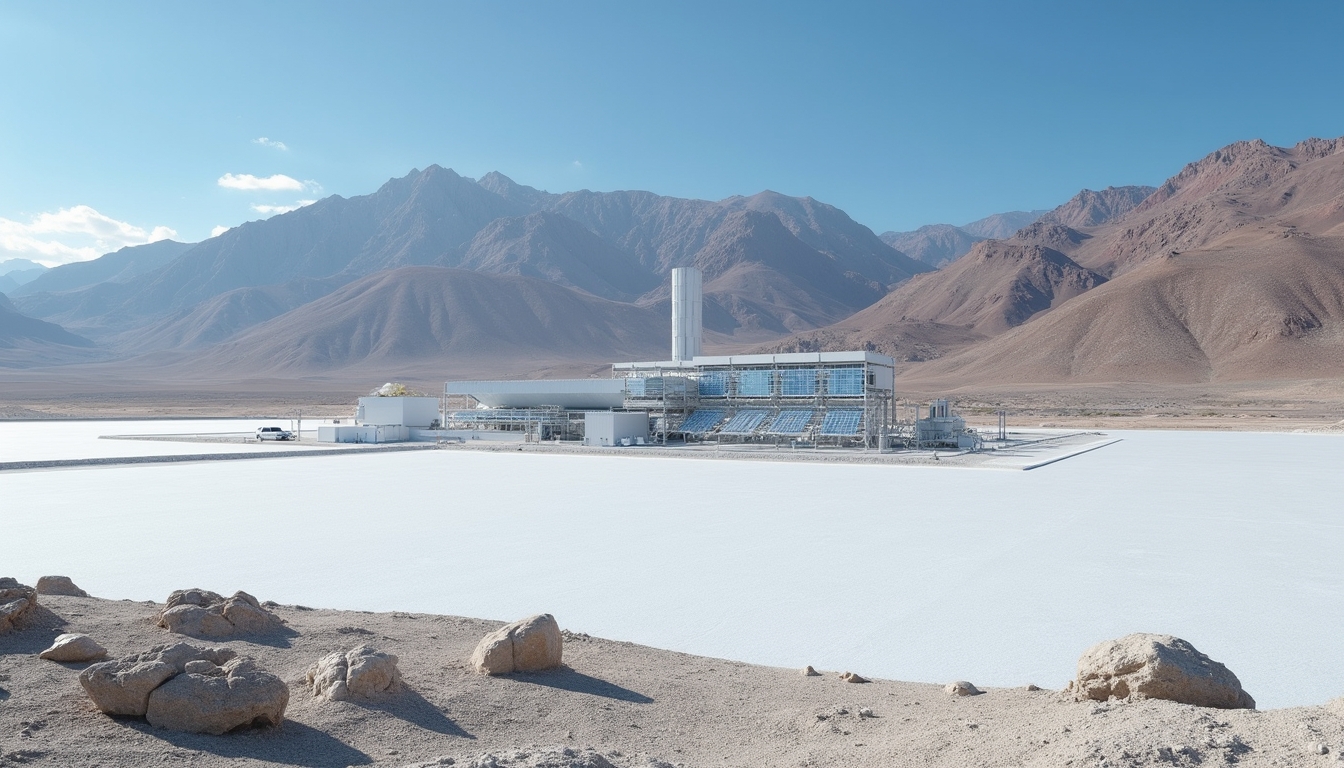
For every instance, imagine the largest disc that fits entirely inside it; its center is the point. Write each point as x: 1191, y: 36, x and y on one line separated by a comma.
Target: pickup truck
x: 274, y: 433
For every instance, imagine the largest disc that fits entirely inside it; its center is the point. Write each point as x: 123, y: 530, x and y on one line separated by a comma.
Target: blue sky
x: 118, y: 119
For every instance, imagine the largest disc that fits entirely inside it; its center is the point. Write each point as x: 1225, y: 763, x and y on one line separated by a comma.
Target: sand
x: 633, y: 705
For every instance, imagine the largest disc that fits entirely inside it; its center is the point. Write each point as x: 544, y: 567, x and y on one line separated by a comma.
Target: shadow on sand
x: 279, y: 638
x: 567, y: 679
x: 33, y: 633
x: 291, y: 744
x: 415, y: 709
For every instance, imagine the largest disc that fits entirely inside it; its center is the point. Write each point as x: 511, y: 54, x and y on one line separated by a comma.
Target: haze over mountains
x: 1231, y: 270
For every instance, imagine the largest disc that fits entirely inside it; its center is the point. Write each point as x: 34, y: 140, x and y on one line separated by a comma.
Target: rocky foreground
x: 403, y: 689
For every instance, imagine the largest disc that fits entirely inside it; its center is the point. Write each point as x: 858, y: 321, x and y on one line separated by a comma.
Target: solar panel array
x: 798, y: 382
x: 701, y: 421
x: 755, y: 383
x: 792, y: 422
x: 745, y: 422
x: 842, y: 421
x: 714, y: 384
x: 844, y: 381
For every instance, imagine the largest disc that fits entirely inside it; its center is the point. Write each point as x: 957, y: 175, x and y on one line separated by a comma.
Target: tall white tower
x: 686, y: 306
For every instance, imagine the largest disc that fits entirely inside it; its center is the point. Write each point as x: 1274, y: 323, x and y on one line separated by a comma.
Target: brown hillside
x: 1231, y: 271
x: 998, y: 285
x: 1249, y: 183
x: 425, y: 313
x: 1091, y: 208
x: 1255, y: 306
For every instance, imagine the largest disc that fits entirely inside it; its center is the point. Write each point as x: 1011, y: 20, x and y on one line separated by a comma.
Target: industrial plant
x: 788, y: 400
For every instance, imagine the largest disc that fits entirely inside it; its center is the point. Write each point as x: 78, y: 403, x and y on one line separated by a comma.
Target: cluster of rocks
x: 16, y: 601
x: 205, y: 614
x: 184, y: 687
x: 203, y: 689
x: 214, y: 690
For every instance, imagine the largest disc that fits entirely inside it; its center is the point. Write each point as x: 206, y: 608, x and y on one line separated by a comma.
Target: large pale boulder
x: 359, y: 673
x: 1149, y: 666
x: 206, y: 614
x: 16, y: 600
x: 208, y: 698
x: 59, y: 585
x: 122, y: 687
x: 74, y: 648
x: 528, y: 645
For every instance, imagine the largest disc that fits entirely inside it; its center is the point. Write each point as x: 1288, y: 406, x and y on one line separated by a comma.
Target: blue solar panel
x: 744, y: 423
x: 755, y: 383
x: 790, y: 423
x: 844, y: 381
x: 798, y: 382
x: 842, y: 421
x: 714, y: 384
x: 700, y: 422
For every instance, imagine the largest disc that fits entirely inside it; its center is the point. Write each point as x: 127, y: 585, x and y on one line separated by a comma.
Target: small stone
x: 362, y: 672
x: 961, y: 688
x: 74, y: 648
x: 866, y: 712
x: 59, y: 585
x: 529, y: 645
x: 808, y: 671
x: 1319, y: 747
x: 850, y: 677
x: 1031, y: 687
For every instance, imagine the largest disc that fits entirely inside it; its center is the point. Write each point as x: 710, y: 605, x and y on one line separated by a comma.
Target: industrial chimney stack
x: 686, y: 305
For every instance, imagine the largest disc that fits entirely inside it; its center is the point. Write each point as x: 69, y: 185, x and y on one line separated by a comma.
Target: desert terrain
x: 611, y: 703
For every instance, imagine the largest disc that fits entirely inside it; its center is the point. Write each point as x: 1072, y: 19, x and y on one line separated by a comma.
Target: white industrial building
x: 842, y: 399
x: 384, y: 420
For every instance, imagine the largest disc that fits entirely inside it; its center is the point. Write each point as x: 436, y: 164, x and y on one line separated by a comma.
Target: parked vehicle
x: 274, y: 433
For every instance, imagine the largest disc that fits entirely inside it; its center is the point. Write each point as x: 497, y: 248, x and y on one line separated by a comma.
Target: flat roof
x: 784, y: 358
x: 573, y: 394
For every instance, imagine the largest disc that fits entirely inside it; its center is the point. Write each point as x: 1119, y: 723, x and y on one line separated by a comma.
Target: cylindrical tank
x: 686, y: 308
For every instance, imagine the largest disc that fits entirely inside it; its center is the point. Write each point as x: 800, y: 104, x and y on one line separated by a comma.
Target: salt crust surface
x: 50, y: 440
x: 1230, y: 540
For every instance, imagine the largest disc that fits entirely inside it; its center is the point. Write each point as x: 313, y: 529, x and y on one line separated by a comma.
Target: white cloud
x: 246, y: 181
x: 271, y: 210
x: 73, y: 234
x: 265, y: 142
x: 217, y: 231
x: 578, y: 165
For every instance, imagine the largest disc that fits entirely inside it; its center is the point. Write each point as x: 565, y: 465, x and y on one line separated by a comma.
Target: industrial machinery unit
x: 838, y: 398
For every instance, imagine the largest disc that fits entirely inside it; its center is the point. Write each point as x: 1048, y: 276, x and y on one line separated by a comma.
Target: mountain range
x: 1233, y: 269
x: 773, y: 264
